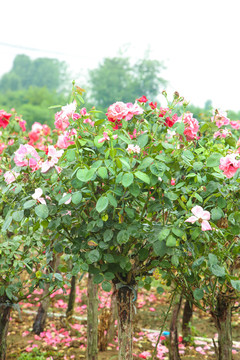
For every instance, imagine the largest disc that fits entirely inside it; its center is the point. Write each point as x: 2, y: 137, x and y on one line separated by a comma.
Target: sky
x: 197, y: 40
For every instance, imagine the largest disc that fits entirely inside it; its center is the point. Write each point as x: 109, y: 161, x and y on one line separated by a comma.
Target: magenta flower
x: 200, y: 215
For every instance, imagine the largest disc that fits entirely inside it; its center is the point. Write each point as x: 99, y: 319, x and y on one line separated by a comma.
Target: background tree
x: 116, y: 79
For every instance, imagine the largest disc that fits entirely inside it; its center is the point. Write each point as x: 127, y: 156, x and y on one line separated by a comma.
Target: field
x: 63, y: 340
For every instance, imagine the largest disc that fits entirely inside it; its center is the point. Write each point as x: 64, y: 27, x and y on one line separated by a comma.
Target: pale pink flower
x: 133, y: 149
x: 173, y: 182
x: 68, y: 201
x: 26, y: 155
x: 200, y: 215
x: 61, y: 120
x: 83, y: 112
x: 220, y: 118
x: 38, y: 196
x: 10, y: 176
x: 222, y: 133
x: 133, y: 109
x: 191, y: 126
x: 70, y: 109
x: 235, y: 124
x: 117, y: 111
x: 11, y: 142
x: 64, y: 140
x: 229, y: 164
x: 53, y: 157
x: 88, y: 121
x: 2, y: 147
x: 104, y: 138
x: 37, y: 127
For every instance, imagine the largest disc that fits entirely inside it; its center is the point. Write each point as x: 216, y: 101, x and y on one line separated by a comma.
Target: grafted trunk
x: 5, y: 310
x: 187, y: 315
x: 71, y: 299
x: 173, y: 345
x: 113, y: 317
x: 92, y: 321
x: 40, y: 320
x: 222, y: 318
x: 125, y: 322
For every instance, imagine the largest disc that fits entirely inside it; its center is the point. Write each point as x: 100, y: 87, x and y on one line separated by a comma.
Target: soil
x: 64, y: 341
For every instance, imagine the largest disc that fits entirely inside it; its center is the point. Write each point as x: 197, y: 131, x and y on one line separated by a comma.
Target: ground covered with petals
x: 63, y: 340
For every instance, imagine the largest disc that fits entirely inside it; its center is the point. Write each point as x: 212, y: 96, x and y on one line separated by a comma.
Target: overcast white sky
x: 198, y: 40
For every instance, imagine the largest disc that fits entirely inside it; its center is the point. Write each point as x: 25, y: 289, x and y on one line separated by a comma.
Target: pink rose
x: 10, y: 176
x: 53, y: 156
x: 22, y: 124
x: 229, y: 164
x: 201, y: 216
x: 26, y: 155
x: 61, y: 121
x: 117, y: 111
x: 191, y: 126
x: 235, y: 124
x: 220, y: 118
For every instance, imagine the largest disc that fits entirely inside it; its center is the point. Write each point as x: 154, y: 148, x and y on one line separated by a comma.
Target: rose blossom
x: 142, y: 99
x: 10, y: 176
x: 229, y: 164
x: 133, y: 149
x: 26, y: 155
x: 53, y: 156
x: 201, y: 216
x: 220, y: 118
x: 222, y: 133
x: 235, y: 124
x: 2, y: 147
x: 191, y: 126
x: 104, y: 138
x: 4, y: 118
x: 37, y: 196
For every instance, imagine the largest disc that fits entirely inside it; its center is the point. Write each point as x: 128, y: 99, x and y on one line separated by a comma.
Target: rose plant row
x: 139, y: 191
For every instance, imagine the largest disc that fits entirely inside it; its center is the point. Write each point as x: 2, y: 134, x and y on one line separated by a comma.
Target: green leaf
x: 135, y: 190
x: 175, y: 260
x: 171, y: 241
x: 125, y: 163
x: 188, y: 154
x: 178, y: 232
x: 180, y: 128
x: 217, y: 214
x: 18, y: 215
x: 41, y: 211
x: 142, y: 176
x: 163, y: 234
x: 213, y: 160
x: 85, y: 175
x: 146, y: 163
x: 122, y: 237
x: 58, y: 276
x: 236, y: 284
x: 64, y: 199
x: 198, y: 262
x: 106, y: 286
x: 108, y: 235
x: 76, y: 197
x: 102, y: 204
x: 127, y: 179
x: 109, y: 275
x: 198, y: 294
x: 218, y: 270
x: 98, y: 278
x: 7, y: 223
x: 102, y: 172
x: 112, y: 200
x: 71, y: 154
x: 159, y: 248
x: 94, y: 255
x: 158, y: 168
x: 221, y: 202
x: 142, y: 140
x: 197, y: 166
x: 28, y: 204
